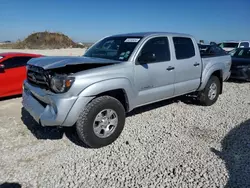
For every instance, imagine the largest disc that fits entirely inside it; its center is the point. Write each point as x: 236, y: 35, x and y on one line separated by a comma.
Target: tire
x: 204, y: 96
x: 95, y: 136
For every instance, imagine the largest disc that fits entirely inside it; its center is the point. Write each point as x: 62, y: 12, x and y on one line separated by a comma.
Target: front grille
x: 37, y: 76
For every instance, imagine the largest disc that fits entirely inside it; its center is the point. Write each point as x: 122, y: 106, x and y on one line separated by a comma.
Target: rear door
x: 154, y: 79
x: 188, y: 65
x: 13, y: 75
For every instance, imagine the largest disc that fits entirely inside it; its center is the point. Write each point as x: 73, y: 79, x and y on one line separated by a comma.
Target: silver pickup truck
x: 116, y: 75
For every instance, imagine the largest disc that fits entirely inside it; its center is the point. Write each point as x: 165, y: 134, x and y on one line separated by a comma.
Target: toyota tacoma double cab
x: 117, y: 74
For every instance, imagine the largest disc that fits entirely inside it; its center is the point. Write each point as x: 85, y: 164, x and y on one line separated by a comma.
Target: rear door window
x: 244, y: 44
x: 184, y: 47
x: 15, y: 62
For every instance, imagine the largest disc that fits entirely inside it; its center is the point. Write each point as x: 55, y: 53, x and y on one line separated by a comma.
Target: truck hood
x: 57, y: 62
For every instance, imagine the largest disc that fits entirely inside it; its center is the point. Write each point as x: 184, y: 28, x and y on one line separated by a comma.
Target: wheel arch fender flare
x: 207, y: 73
x: 109, y: 85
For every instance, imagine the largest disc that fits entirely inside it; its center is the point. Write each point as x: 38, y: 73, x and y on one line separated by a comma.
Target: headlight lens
x: 61, y: 83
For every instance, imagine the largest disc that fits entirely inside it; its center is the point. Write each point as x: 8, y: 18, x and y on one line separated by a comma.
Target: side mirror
x: 2, y: 67
x: 146, y: 57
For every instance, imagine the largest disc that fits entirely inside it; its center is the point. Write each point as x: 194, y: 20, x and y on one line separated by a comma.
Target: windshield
x: 242, y: 53
x: 114, y: 48
x: 229, y: 45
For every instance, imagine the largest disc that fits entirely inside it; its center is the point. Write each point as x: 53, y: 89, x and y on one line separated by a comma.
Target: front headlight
x: 61, y: 83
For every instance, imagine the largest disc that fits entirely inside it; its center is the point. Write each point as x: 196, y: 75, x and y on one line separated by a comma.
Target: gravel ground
x: 168, y: 144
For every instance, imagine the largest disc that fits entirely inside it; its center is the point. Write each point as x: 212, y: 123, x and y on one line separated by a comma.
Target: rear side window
x: 244, y: 44
x: 230, y: 45
x: 184, y: 47
x: 15, y: 62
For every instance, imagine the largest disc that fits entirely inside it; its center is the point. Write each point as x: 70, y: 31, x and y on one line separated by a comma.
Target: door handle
x: 196, y: 64
x: 170, y: 68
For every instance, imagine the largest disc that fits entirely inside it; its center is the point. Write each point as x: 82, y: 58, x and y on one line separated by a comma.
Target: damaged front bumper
x: 49, y: 109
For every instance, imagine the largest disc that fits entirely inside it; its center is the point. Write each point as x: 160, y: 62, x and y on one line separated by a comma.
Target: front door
x: 154, y: 71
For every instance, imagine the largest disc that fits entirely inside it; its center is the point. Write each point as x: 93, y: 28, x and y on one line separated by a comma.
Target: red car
x: 13, y: 72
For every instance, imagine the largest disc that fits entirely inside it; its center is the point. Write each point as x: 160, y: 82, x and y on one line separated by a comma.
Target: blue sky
x: 90, y: 20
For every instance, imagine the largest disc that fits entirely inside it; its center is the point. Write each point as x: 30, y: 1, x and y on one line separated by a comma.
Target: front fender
x: 109, y: 85
x: 207, y: 73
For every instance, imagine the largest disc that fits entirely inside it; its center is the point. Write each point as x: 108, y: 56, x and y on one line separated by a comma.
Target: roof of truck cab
x: 146, y: 34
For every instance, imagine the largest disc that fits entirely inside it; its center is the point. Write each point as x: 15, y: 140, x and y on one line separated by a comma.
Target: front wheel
x: 101, y: 122
x: 209, y: 95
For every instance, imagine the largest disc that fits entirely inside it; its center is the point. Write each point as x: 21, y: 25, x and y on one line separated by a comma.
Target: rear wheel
x: 101, y: 122
x: 209, y: 95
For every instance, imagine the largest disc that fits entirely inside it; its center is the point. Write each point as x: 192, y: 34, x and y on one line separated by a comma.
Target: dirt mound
x: 47, y: 40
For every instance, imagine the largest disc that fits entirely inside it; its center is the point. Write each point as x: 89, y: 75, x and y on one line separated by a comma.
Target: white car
x: 231, y: 45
